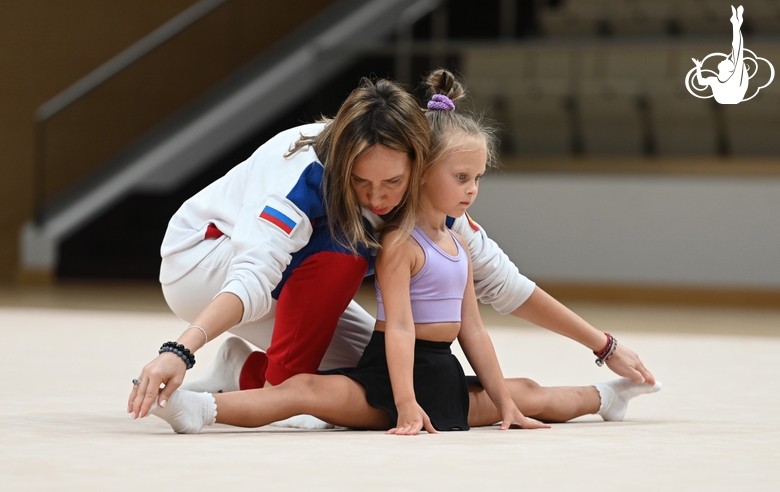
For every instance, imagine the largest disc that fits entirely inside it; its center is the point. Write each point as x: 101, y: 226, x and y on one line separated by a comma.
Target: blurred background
x: 616, y: 183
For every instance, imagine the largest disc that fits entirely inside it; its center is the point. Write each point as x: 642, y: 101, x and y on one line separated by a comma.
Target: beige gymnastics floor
x: 65, y: 375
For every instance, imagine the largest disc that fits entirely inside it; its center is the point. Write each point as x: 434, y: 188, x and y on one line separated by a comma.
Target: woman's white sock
x: 616, y: 394
x: 303, y: 422
x: 187, y: 412
x: 223, y: 374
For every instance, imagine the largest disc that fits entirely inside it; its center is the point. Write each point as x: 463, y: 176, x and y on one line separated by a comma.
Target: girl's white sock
x: 187, y: 412
x: 616, y: 394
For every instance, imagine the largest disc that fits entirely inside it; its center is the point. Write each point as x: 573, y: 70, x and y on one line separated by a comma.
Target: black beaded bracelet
x: 180, y: 350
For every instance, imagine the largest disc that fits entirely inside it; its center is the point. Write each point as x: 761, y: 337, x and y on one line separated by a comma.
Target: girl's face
x: 451, y: 185
x: 380, y: 177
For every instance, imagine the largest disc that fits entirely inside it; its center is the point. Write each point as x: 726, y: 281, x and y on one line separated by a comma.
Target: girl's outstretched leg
x: 334, y: 399
x: 559, y: 404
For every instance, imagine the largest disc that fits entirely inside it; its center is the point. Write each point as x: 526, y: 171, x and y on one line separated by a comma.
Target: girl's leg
x: 559, y: 404
x: 548, y: 404
x: 334, y: 398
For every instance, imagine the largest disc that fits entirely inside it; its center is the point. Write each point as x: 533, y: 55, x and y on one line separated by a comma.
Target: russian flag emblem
x: 278, y: 215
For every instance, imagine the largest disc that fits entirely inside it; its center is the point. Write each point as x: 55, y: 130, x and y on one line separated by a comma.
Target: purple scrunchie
x: 441, y: 102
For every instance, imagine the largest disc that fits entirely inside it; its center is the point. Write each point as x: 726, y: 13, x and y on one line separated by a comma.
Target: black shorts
x: 440, y: 386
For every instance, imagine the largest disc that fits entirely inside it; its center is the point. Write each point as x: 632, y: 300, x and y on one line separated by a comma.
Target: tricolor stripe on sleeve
x: 473, y: 224
x: 280, y: 216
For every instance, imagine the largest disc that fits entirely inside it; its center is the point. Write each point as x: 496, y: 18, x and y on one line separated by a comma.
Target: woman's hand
x: 411, y: 420
x: 167, y: 369
x: 512, y: 418
x: 624, y: 362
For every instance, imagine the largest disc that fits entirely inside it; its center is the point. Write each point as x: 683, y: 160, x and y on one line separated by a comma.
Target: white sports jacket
x: 266, y: 206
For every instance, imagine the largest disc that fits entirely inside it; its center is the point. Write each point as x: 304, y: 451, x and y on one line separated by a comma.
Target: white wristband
x: 202, y: 330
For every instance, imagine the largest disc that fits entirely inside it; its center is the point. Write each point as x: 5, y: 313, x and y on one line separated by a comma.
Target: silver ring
x: 136, y: 382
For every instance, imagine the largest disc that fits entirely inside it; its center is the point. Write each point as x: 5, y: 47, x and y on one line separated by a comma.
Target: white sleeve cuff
x: 510, y: 303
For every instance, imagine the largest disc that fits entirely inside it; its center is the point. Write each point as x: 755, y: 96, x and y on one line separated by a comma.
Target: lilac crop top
x: 436, y: 291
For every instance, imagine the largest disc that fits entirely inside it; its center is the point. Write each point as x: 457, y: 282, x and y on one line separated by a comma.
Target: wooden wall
x: 47, y: 45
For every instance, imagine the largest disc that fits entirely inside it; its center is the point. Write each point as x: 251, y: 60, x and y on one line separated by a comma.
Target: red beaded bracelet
x: 607, y: 352
x: 606, y: 346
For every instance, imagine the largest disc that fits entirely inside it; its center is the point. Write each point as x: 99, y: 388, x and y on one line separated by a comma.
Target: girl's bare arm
x: 478, y: 348
x: 393, y: 272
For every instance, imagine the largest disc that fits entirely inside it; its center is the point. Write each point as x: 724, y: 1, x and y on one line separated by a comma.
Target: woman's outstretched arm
x: 498, y: 282
x: 543, y: 310
x: 478, y: 348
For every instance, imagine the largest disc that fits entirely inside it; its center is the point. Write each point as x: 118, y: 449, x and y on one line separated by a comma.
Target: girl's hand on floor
x: 514, y: 419
x: 411, y: 420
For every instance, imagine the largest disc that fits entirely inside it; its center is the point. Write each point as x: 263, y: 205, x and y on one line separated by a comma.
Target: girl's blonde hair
x: 378, y: 112
x: 448, y: 128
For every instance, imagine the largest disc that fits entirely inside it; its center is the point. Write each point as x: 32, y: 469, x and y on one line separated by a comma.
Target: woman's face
x: 380, y: 177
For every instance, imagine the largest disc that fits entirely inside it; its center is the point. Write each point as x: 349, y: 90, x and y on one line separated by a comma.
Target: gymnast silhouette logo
x: 730, y: 84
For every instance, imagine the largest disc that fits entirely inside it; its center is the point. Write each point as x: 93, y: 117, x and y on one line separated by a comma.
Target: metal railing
x: 97, y: 78
x: 180, y: 141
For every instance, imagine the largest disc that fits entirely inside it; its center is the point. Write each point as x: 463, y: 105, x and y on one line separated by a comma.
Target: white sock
x: 304, y: 422
x: 223, y: 374
x: 616, y: 394
x: 187, y: 412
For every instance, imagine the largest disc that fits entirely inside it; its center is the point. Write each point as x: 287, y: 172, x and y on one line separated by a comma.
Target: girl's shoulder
x: 397, y: 243
x: 393, y: 237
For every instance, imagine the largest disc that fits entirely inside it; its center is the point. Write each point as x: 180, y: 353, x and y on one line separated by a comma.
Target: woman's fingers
x: 150, y: 393
x: 170, y: 386
x: 139, y: 395
x: 649, y: 378
x: 133, y: 394
x: 146, y: 393
x: 167, y: 369
x: 626, y: 363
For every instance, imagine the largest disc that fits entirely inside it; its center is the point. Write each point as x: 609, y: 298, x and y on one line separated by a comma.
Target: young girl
x: 407, y: 378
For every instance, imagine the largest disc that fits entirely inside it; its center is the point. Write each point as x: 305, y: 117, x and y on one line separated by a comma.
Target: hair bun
x: 443, y: 82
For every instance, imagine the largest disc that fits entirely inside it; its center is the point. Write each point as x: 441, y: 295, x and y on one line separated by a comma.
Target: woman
x: 277, y: 248
x: 250, y: 235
